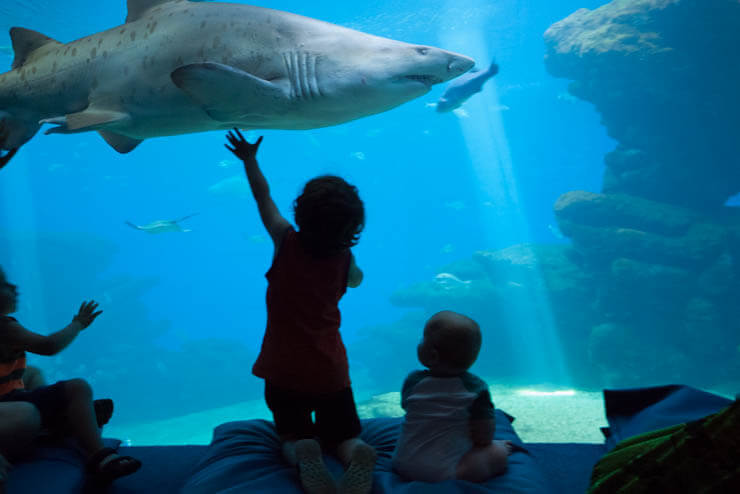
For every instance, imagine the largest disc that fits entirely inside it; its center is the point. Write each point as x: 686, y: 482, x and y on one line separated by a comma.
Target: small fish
x: 455, y: 205
x: 225, y: 163
x: 465, y: 86
x: 556, y: 231
x: 567, y: 98
x: 447, y: 281
x: 447, y: 249
x: 359, y: 155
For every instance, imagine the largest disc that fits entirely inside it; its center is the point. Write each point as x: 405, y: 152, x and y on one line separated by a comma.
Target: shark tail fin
x: 27, y: 42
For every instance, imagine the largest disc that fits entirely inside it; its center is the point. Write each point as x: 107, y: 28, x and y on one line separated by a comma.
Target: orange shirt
x: 12, y: 363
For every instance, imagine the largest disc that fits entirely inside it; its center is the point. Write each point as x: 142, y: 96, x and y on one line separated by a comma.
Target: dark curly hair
x: 330, y: 215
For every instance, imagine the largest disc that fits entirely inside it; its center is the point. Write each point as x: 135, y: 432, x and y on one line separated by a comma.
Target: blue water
x: 184, y: 312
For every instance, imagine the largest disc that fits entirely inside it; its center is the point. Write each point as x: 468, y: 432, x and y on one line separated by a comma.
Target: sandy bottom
x: 542, y: 415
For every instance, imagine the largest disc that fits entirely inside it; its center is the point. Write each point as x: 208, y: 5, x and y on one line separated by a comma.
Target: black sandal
x: 112, y: 469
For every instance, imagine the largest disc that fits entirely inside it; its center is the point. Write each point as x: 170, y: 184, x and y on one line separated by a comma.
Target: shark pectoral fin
x: 26, y: 42
x: 119, y: 142
x: 224, y: 92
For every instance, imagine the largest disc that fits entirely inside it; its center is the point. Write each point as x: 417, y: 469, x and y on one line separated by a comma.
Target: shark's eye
x: 422, y: 51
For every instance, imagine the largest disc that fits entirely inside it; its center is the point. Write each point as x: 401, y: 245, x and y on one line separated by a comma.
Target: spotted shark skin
x: 178, y: 66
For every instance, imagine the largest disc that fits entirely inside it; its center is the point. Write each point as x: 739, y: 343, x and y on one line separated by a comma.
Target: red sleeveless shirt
x: 302, y: 349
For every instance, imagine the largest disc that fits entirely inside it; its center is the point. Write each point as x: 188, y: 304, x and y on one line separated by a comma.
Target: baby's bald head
x: 455, y: 337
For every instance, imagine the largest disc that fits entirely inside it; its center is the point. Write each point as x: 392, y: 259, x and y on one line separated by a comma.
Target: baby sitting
x: 449, y: 425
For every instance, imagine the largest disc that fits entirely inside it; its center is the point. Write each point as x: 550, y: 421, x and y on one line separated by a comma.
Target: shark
x: 179, y: 66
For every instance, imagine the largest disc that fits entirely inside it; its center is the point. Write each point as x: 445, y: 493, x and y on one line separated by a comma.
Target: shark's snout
x: 459, y: 64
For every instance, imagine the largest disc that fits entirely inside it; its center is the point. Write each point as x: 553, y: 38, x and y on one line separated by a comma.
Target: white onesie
x: 436, y: 430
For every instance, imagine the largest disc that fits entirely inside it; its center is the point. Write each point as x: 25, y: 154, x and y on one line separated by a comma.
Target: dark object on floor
x: 696, y: 457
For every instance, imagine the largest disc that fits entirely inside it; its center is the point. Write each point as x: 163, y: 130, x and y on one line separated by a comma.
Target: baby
x: 449, y: 425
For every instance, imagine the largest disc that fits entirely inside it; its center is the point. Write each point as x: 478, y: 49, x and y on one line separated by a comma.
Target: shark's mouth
x: 428, y: 80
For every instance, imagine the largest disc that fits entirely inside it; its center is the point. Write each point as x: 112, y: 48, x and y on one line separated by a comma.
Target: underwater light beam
x: 541, y: 355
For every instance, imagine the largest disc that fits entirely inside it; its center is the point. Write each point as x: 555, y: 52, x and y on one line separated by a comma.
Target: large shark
x: 178, y: 66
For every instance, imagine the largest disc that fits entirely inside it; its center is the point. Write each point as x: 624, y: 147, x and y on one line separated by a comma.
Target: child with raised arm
x: 65, y: 408
x: 303, y: 360
x: 449, y: 425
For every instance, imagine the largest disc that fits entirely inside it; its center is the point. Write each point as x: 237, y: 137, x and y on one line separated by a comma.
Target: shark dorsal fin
x: 137, y: 8
x: 25, y: 42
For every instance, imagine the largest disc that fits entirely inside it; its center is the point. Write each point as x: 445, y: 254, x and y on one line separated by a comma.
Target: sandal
x: 103, y: 411
x: 106, y: 465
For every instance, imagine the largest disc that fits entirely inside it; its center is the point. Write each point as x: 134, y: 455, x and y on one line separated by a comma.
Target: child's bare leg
x: 82, y: 424
x: 358, y: 458
x: 482, y: 463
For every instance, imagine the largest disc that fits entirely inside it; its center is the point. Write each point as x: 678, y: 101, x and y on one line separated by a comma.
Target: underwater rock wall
x: 660, y: 246
x: 663, y: 74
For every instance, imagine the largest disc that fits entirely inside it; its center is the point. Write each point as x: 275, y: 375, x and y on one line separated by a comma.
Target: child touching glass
x: 303, y: 360
x: 65, y: 408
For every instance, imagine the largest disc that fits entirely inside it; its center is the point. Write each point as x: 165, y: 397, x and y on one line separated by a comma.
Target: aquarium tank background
x: 581, y: 208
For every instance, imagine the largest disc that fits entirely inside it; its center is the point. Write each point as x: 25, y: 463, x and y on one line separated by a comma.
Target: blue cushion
x: 635, y: 411
x: 51, y: 469
x: 245, y: 457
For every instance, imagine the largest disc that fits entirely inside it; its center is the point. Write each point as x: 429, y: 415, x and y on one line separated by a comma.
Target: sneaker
x: 315, y: 478
x: 358, y: 479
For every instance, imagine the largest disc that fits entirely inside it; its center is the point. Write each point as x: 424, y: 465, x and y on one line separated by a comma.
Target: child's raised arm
x: 17, y: 337
x: 275, y: 224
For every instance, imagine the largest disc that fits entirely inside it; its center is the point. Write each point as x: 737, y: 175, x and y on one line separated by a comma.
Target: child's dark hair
x: 330, y: 215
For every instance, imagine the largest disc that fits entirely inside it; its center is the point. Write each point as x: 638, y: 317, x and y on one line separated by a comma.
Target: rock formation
x: 658, y: 242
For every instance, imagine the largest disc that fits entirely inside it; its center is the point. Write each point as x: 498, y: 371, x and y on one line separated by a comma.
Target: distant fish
x: 455, y: 205
x: 162, y: 226
x: 556, y: 231
x: 465, y: 86
x: 225, y: 163
x: 447, y: 249
x: 6, y: 50
x: 448, y: 281
x: 461, y: 113
x: 567, y: 97
x: 236, y: 186
x: 359, y: 155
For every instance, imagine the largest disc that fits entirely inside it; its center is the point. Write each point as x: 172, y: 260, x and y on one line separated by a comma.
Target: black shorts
x: 51, y: 402
x: 336, y: 414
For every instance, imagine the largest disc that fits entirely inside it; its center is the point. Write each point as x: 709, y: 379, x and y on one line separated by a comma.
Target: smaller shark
x: 162, y: 226
x: 458, y: 91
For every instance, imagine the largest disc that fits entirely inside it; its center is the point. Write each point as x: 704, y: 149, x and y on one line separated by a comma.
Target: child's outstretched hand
x: 86, y: 315
x: 241, y: 148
